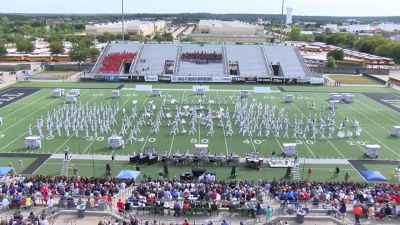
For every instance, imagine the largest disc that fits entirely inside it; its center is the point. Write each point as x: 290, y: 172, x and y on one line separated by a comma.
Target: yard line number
x: 196, y: 141
x: 362, y: 143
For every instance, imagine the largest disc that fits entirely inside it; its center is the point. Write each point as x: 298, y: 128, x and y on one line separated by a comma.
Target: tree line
x: 376, y: 44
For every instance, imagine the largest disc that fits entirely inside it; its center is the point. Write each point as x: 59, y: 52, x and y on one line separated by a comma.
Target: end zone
x: 12, y: 95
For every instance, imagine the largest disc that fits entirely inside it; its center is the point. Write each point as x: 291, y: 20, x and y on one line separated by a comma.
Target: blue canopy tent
x: 128, y: 174
x: 373, y: 176
x: 5, y: 170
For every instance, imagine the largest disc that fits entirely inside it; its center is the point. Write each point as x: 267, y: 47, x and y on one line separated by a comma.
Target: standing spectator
x: 66, y: 157
x: 357, y: 213
x: 258, y: 212
x: 342, y: 209
x: 112, y: 159
x: 20, y: 163
x: 127, y: 206
x: 346, y: 177
x: 268, y: 213
x: 336, y: 173
x: 120, y: 206
x: 309, y: 172
x: 177, y: 208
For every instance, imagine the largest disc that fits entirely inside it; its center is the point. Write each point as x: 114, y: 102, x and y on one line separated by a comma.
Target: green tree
x: 369, y: 44
x: 188, y: 39
x: 5, y: 20
x: 294, y: 34
x: 3, y: 50
x: 25, y: 29
x: 136, y: 37
x: 56, y: 47
x: 331, y: 63
x: 106, y: 37
x: 93, y: 53
x: 385, y: 49
x: 164, y: 37
x: 79, y: 53
x: 344, y: 40
x: 24, y: 45
x: 307, y: 37
x: 337, y: 54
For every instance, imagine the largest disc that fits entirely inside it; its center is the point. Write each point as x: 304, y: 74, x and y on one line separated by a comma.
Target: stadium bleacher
x: 250, y: 58
x: 112, y: 62
x: 291, y: 63
x: 213, y: 69
x: 153, y: 57
x: 253, y: 60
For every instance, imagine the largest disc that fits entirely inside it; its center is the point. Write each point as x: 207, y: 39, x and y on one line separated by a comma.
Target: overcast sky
x: 301, y: 7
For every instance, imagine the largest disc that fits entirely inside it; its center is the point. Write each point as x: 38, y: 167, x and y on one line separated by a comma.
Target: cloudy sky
x: 301, y: 7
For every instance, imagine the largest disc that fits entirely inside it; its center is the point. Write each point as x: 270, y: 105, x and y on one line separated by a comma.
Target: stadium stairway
x: 101, y: 58
x: 65, y: 167
x: 135, y: 61
x: 296, y: 173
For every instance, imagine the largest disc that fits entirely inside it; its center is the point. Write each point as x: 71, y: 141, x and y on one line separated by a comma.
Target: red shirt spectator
x: 120, y: 205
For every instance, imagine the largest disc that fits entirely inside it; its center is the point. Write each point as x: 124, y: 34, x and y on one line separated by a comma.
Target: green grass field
x: 354, y: 79
x: 376, y: 122
x: 53, y: 75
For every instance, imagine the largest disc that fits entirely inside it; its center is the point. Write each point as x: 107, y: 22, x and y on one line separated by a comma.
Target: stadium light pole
x: 280, y: 36
x: 123, y: 28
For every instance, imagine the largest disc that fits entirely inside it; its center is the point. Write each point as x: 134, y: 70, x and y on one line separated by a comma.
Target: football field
x: 376, y: 121
x: 377, y: 110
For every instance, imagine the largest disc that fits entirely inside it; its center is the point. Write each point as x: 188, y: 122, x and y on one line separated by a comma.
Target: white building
x: 144, y: 28
x: 357, y: 27
x: 389, y: 27
x: 289, y: 15
x: 229, y: 27
x: 332, y: 27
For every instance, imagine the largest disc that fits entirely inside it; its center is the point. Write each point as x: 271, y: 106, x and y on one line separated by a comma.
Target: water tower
x: 289, y: 15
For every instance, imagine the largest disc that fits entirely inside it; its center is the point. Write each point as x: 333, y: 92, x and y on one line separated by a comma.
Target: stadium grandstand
x: 186, y: 62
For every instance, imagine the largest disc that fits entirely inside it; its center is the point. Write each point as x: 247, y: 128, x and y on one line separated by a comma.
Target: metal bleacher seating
x: 250, y: 58
x: 291, y: 63
x: 188, y: 68
x: 153, y: 57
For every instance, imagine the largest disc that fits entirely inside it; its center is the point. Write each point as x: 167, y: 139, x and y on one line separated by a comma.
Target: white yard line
x: 398, y: 155
x: 151, y: 128
x: 305, y: 143
x: 338, y: 111
x: 129, y: 97
x: 223, y: 127
x: 73, y: 135
x: 23, y: 133
x: 173, y: 137
x: 28, y: 116
x: 337, y: 150
x: 383, y: 115
x: 94, y: 138
x: 251, y: 138
x: 25, y: 105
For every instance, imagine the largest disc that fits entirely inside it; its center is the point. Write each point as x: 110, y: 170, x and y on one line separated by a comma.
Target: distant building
x: 289, y: 16
x: 52, y: 22
x: 229, y: 27
x: 229, y: 38
x: 332, y: 27
x: 145, y: 28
